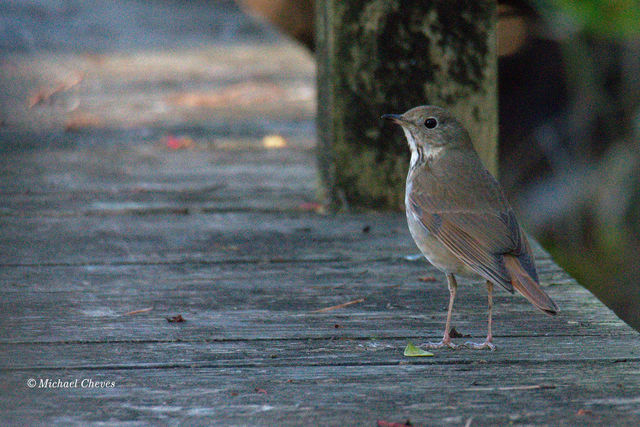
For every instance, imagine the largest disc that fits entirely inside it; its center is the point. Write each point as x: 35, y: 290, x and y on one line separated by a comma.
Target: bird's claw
x: 441, y: 344
x: 488, y: 345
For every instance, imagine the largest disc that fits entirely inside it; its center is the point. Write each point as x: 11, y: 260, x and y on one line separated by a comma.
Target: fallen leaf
x: 142, y: 310
x: 44, y: 94
x: 335, y: 307
x: 274, y: 141
x: 176, y: 319
x: 260, y: 390
x: 583, y: 412
x: 413, y: 351
x: 178, y: 142
x: 427, y: 279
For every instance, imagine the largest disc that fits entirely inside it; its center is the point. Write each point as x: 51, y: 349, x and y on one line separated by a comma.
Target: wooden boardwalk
x: 143, y: 189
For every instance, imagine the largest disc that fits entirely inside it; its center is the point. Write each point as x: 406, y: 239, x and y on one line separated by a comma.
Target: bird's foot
x: 488, y: 345
x: 441, y: 344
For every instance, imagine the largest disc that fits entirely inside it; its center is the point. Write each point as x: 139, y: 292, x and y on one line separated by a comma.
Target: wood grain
x: 105, y: 233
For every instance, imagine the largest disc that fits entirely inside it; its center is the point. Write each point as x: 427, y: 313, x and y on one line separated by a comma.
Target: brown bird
x: 459, y: 217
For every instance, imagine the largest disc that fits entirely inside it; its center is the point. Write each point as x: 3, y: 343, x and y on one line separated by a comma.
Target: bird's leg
x: 446, y: 339
x: 487, y: 343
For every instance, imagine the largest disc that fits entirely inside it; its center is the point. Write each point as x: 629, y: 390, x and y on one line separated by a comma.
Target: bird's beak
x: 396, y: 118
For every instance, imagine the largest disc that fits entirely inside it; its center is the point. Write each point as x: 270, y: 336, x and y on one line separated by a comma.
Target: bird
x: 459, y: 217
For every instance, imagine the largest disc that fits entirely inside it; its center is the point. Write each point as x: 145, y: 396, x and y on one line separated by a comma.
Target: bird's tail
x: 528, y: 287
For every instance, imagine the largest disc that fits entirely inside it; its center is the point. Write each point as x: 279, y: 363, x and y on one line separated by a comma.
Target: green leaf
x: 413, y: 351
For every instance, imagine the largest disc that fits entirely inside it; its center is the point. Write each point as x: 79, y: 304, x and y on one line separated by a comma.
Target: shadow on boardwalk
x: 138, y: 185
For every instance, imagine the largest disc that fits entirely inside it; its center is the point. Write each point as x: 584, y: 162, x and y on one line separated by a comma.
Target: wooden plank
x: 216, y: 237
x: 220, y: 85
x: 336, y: 350
x: 426, y: 394
x: 200, y: 237
x: 239, y: 301
x: 146, y: 177
x: 417, y: 313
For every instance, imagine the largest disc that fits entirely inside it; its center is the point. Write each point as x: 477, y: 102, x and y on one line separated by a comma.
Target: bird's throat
x: 417, y: 153
x: 421, y: 153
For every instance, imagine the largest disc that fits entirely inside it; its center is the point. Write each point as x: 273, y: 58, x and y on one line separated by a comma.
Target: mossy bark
x: 387, y: 56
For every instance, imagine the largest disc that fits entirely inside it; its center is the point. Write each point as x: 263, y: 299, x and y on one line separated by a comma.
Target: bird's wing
x: 471, y: 218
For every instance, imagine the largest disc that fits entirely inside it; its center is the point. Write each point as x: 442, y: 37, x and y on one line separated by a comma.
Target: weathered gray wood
x: 145, y: 177
x: 332, y: 350
x: 386, y: 57
x: 255, y: 237
x: 105, y: 221
x: 444, y: 394
x: 219, y: 237
x: 214, y: 300
x: 234, y: 86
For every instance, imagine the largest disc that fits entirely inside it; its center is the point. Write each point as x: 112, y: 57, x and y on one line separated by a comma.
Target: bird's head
x: 430, y: 128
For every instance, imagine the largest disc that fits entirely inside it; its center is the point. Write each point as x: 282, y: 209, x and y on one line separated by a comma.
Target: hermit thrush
x: 459, y: 217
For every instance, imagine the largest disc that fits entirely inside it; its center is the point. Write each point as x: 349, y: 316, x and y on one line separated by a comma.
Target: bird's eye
x: 430, y: 123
